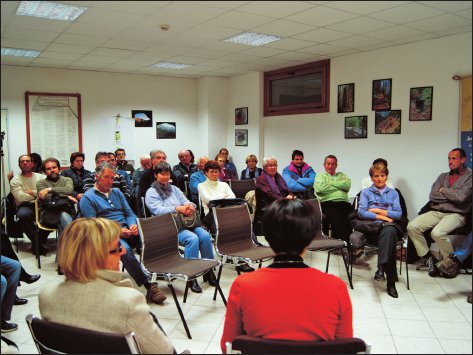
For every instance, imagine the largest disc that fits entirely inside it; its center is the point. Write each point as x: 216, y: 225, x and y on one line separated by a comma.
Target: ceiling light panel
x: 252, y: 39
x: 169, y: 65
x: 18, y: 52
x: 49, y: 10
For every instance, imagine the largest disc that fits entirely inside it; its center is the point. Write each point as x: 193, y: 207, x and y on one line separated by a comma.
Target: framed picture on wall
x: 420, y: 104
x: 241, y: 137
x: 241, y: 115
x: 356, y: 127
x: 387, y: 122
x: 381, y: 95
x: 165, y: 130
x: 346, y: 98
x: 143, y: 118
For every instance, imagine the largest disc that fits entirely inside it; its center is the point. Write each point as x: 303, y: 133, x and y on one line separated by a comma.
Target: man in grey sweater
x: 450, y: 202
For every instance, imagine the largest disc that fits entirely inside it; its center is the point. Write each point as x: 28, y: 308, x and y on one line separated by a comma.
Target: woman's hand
x: 186, y: 210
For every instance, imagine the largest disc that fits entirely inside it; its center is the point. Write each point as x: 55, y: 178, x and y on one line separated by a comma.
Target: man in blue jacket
x: 299, y: 176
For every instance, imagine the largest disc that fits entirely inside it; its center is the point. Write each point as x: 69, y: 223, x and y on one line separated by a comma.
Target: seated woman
x: 94, y: 295
x: 256, y: 305
x: 251, y: 171
x: 381, y: 204
x: 212, y: 189
x: 77, y: 173
x: 270, y: 186
x: 162, y: 198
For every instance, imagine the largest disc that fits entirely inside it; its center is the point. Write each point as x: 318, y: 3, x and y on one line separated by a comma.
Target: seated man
x: 23, y: 188
x: 196, y: 178
x: 184, y: 170
x: 113, y: 160
x: 145, y: 162
x: 77, y: 173
x: 122, y: 164
x: 148, y: 177
x: 228, y: 164
x: 107, y: 202
x: 332, y: 189
x: 10, y: 270
x: 225, y: 174
x: 119, y: 181
x: 299, y: 176
x: 449, y: 267
x: 56, y: 184
x: 450, y: 201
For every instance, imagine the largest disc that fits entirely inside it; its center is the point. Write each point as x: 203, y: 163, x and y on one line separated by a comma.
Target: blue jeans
x: 11, y: 270
x: 193, y: 241
x: 132, y: 265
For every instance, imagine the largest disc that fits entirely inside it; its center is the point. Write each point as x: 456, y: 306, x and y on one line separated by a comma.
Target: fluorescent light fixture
x: 169, y: 65
x: 17, y: 52
x: 50, y: 10
x: 253, y: 39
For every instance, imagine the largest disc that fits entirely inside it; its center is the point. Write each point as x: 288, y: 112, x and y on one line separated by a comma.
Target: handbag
x: 187, y: 222
x: 52, y: 207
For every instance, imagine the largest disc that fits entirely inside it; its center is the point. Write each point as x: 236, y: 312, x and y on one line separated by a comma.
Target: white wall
x: 417, y: 155
x: 203, y: 110
x: 103, y: 96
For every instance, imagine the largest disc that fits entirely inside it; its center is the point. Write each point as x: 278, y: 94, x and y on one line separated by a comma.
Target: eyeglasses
x: 272, y: 165
x: 116, y: 251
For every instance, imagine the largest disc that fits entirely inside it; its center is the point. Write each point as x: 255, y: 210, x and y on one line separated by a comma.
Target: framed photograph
x: 346, y: 98
x: 387, y: 122
x: 241, y: 137
x: 420, y: 104
x: 241, y: 115
x: 356, y: 127
x: 165, y: 130
x: 143, y: 118
x: 381, y: 97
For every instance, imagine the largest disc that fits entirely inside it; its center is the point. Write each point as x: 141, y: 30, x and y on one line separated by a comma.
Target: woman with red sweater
x: 317, y: 307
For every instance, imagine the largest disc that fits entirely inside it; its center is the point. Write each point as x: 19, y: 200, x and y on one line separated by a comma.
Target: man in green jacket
x: 332, y: 190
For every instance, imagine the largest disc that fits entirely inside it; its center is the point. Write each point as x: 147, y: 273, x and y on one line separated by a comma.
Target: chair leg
x: 218, y: 282
x: 180, y: 311
x: 37, y: 247
x: 407, y: 271
x: 185, y: 292
x: 348, y: 262
x: 328, y: 260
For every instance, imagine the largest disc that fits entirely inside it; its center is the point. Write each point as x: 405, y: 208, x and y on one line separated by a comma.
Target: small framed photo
x: 356, y: 127
x: 241, y: 137
x: 241, y: 115
x: 381, y: 95
x: 165, y: 130
x: 143, y: 118
x: 387, y: 122
x: 420, y: 103
x: 346, y: 98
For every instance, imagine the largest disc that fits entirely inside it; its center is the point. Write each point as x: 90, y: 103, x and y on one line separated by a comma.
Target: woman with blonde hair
x: 94, y: 294
x: 251, y: 171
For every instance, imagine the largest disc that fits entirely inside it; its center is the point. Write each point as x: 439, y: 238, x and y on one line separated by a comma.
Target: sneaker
x: 449, y: 266
x: 155, y: 294
x: 433, y: 270
x: 8, y: 327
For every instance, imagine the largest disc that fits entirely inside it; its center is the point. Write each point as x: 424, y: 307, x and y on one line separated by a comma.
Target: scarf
x: 163, y: 191
x: 247, y: 173
x: 274, y: 184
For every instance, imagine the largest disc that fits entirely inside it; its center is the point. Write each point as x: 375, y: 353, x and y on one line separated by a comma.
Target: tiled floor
x: 433, y: 317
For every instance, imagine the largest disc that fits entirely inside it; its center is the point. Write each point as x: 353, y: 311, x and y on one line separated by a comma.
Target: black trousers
x: 386, y: 242
x: 336, y: 214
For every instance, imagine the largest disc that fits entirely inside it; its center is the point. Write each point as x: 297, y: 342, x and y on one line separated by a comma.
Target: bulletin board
x: 53, y: 125
x: 465, y: 119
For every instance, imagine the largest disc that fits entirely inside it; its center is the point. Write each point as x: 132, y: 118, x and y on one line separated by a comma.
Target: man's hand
x: 126, y: 233
x: 30, y: 192
x: 72, y: 199
x: 378, y: 211
x: 78, y: 197
x: 134, y: 229
x: 42, y: 194
x: 384, y: 218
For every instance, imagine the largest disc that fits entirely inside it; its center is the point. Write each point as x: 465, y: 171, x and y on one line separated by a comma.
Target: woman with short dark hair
x: 257, y: 305
x: 77, y: 173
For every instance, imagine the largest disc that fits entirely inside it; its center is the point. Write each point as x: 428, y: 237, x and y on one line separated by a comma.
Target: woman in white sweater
x: 212, y: 189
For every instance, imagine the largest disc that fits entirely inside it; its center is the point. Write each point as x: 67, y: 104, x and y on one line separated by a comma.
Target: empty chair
x: 55, y: 338
x: 241, y: 187
x: 245, y: 344
x: 161, y: 258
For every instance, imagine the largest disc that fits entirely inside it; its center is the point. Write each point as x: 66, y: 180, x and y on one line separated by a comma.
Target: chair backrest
x: 37, y: 219
x: 252, y: 345
x: 234, y: 223
x: 158, y: 236
x: 241, y: 187
x: 55, y: 338
x: 143, y: 207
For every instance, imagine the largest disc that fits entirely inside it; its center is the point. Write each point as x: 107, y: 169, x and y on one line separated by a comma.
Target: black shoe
x: 8, y: 327
x: 433, y: 270
x: 379, y: 275
x: 195, y: 286
x: 210, y: 278
x: 392, y: 291
x: 245, y: 268
x: 30, y: 278
x: 20, y: 301
x: 59, y: 271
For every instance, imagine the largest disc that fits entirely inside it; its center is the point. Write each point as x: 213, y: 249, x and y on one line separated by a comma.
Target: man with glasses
x: 23, y: 188
x: 105, y: 201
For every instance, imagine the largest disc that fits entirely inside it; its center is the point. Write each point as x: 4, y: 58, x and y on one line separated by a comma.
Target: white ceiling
x: 125, y: 36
